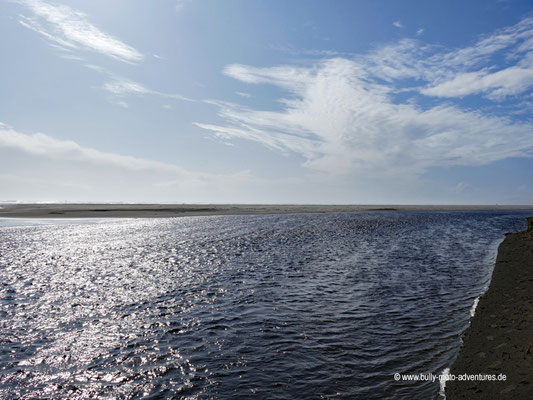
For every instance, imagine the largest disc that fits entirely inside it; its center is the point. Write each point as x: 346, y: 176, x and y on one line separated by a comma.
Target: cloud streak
x: 109, y: 176
x: 496, y: 85
x: 476, y: 69
x: 121, y: 86
x: 397, y: 24
x: 71, y: 29
x: 180, y: 4
x: 67, y: 150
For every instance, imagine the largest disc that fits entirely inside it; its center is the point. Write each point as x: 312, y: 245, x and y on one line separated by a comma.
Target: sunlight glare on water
x: 278, y: 306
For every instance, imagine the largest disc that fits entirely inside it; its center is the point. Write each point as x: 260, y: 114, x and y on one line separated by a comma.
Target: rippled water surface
x: 277, y: 307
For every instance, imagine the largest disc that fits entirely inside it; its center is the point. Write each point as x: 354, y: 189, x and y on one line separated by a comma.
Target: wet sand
x: 70, y: 210
x: 500, y: 337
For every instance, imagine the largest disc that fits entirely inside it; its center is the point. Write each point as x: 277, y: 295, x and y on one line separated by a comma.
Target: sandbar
x: 88, y: 210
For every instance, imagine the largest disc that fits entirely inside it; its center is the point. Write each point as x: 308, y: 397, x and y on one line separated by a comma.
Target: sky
x: 267, y: 101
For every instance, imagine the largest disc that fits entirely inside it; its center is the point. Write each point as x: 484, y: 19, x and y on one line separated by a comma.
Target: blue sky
x: 254, y: 101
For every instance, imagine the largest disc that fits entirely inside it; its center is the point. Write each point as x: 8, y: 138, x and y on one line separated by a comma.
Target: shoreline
x: 85, y: 210
x: 499, y: 339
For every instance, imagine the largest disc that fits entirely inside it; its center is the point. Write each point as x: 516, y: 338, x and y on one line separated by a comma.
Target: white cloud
x: 106, y: 176
x: 71, y: 29
x: 96, y: 68
x: 71, y: 57
x: 44, y: 145
x: 491, y: 44
x: 121, y: 86
x: 462, y: 187
x: 342, y: 114
x: 497, y: 85
x: 180, y: 4
x: 469, y: 70
x: 124, y: 86
x: 419, y: 31
x: 397, y: 24
x: 400, y: 60
x: 410, y: 58
x: 285, y: 76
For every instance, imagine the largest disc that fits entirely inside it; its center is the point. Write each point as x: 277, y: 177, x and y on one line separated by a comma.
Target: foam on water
x: 474, y: 306
x: 442, y: 389
x: 492, y: 253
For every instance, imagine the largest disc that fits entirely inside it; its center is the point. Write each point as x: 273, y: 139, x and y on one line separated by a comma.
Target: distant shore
x: 500, y: 337
x: 71, y: 210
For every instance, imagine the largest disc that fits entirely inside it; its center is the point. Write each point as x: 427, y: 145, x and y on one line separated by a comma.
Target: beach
x: 500, y: 337
x: 87, y: 210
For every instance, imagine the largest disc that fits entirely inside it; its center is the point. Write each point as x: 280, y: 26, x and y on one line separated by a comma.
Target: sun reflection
x: 222, y: 307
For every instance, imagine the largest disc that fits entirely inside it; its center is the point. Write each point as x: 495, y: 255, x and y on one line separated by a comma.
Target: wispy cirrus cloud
x: 476, y: 69
x: 180, y: 4
x: 120, y: 87
x: 458, y: 72
x: 342, y: 115
x: 71, y: 29
x: 50, y: 147
x: 106, y: 175
x: 397, y: 24
x: 496, y: 85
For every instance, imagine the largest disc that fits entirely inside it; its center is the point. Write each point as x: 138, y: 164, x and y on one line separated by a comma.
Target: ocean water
x: 269, y: 307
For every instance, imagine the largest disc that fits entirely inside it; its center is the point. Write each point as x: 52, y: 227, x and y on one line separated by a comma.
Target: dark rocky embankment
x: 500, y: 337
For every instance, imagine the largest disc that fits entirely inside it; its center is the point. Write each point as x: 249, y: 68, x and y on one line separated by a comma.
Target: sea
x: 295, y: 306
